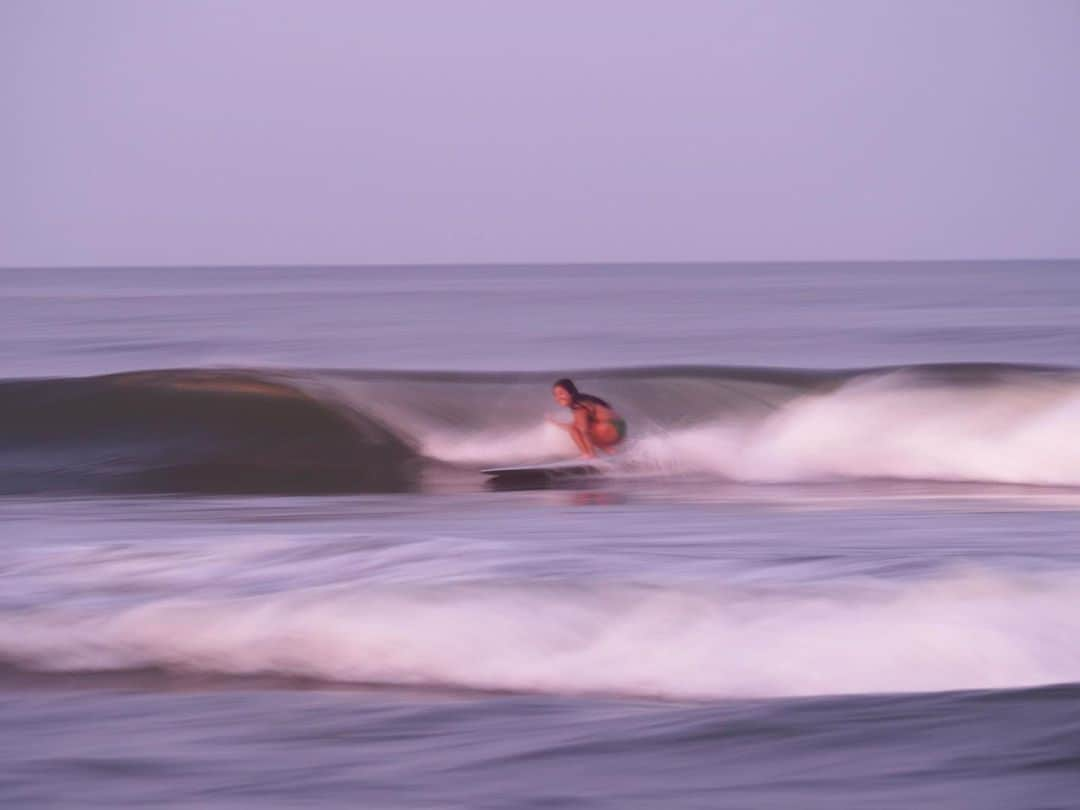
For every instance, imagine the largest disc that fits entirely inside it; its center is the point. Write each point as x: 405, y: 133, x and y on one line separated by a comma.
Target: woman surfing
x: 596, y: 424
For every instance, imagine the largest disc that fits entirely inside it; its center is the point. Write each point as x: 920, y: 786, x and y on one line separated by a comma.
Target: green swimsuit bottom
x: 620, y: 426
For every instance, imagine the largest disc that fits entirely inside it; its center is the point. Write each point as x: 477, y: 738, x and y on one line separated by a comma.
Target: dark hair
x: 568, y: 385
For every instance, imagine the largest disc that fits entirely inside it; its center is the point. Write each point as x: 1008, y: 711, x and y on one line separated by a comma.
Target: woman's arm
x: 579, y: 431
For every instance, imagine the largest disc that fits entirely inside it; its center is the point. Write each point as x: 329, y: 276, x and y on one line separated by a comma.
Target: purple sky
x: 363, y: 131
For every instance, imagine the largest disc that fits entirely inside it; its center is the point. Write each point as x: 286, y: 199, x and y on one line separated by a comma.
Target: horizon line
x: 524, y: 264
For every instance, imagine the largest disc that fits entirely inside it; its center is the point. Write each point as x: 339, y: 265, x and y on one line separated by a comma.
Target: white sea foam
x: 970, y: 629
x: 542, y: 442
x: 884, y: 426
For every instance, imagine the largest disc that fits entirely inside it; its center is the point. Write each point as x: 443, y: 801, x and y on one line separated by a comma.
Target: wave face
x: 190, y: 431
x: 303, y: 431
x: 973, y: 629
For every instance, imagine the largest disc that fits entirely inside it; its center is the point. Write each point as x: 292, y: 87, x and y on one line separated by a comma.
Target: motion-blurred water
x: 836, y: 566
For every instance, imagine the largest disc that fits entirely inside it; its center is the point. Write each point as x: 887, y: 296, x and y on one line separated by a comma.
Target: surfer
x: 596, y: 423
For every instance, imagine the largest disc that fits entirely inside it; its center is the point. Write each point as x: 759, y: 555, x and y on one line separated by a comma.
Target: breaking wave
x: 305, y: 431
x: 972, y: 629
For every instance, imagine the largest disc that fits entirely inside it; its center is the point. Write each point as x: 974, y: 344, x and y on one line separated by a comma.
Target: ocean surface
x: 250, y: 559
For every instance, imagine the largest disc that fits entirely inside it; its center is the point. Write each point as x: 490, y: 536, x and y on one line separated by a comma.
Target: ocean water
x: 251, y: 560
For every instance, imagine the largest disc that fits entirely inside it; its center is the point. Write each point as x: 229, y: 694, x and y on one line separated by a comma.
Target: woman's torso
x: 597, y: 409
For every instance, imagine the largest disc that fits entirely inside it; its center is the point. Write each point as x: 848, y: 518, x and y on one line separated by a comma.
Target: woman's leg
x: 605, y: 435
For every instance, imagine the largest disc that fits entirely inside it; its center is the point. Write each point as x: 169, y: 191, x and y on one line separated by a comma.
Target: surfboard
x: 545, y: 474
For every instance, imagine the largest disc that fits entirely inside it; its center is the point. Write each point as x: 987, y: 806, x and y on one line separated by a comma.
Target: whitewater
x: 972, y: 629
